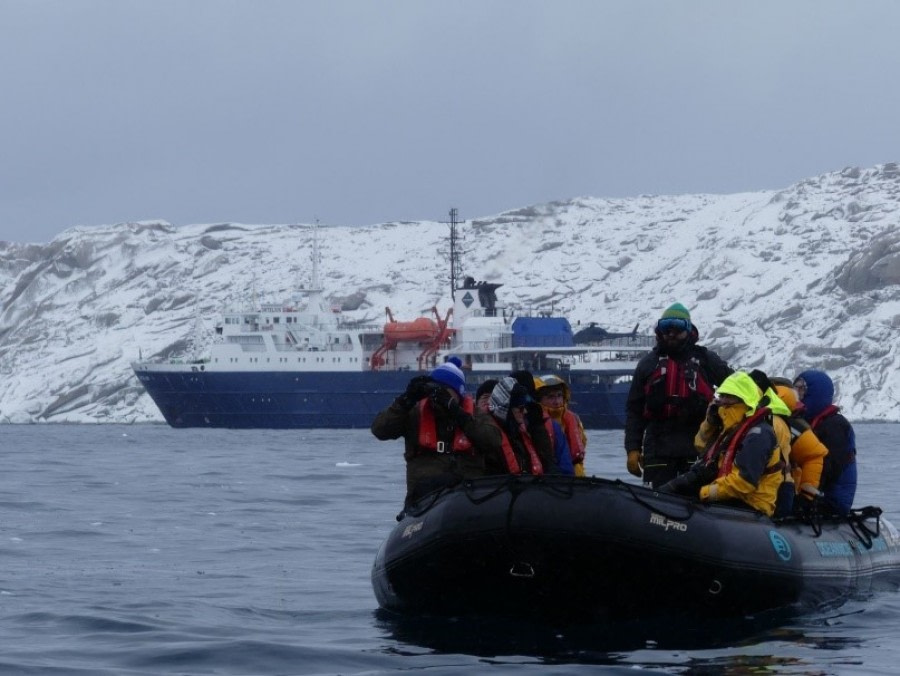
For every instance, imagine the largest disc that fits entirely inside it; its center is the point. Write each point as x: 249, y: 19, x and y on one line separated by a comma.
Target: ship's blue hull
x: 302, y: 400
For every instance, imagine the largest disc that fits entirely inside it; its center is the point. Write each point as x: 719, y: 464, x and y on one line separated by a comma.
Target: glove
x: 684, y: 484
x: 442, y: 398
x: 634, y: 462
x: 712, y: 416
x: 415, y: 390
x: 808, y: 505
x: 534, y: 414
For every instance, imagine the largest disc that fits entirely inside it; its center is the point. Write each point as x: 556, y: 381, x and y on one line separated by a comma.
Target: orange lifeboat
x: 419, y: 330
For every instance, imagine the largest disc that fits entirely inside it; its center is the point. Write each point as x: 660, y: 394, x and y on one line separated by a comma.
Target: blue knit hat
x: 451, y: 375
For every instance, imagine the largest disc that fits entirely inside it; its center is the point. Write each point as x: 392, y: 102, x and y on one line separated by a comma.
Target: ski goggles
x: 673, y: 324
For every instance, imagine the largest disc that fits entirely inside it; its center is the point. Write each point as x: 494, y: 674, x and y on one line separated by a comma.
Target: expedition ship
x: 299, y: 364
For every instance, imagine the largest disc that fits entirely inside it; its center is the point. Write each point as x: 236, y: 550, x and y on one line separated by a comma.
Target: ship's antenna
x: 455, y: 265
x: 315, y: 257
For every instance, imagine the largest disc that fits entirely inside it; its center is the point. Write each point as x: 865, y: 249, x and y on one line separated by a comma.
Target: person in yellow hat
x: 553, y: 394
x: 743, y: 463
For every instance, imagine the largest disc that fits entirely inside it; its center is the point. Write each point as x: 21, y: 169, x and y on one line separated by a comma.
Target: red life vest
x: 675, y: 383
x: 572, y: 427
x: 734, y: 443
x: 428, y: 438
x: 509, y: 455
x: 829, y: 410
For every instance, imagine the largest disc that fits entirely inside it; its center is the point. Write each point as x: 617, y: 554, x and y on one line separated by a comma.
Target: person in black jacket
x: 670, y: 390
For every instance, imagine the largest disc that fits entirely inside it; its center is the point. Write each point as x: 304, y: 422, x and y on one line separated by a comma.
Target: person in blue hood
x: 838, y: 483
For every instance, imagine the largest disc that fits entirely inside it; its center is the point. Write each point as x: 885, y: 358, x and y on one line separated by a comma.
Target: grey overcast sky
x: 284, y: 111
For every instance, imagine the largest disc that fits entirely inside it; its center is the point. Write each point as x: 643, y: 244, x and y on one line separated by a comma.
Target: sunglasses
x: 673, y: 324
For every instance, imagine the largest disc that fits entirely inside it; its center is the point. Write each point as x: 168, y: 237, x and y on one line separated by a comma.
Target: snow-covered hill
x: 802, y: 277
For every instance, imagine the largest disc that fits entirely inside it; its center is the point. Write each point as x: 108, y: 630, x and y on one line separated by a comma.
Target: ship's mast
x: 455, y: 265
x: 314, y: 282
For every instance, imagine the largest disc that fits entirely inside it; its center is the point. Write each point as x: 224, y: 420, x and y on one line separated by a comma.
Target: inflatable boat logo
x: 660, y: 520
x: 782, y: 547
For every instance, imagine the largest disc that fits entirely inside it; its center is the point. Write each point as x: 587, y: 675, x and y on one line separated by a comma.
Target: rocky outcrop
x: 808, y: 276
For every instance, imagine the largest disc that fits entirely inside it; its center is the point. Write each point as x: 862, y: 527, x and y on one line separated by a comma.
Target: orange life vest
x: 572, y: 427
x: 428, y: 438
x: 509, y: 455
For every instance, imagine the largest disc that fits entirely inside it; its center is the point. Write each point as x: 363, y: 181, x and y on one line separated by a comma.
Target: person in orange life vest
x: 670, y: 390
x: 838, y: 483
x: 443, y: 439
x: 742, y: 464
x: 807, y: 452
x: 561, y: 451
x: 483, y: 395
x: 520, y: 433
x: 553, y: 394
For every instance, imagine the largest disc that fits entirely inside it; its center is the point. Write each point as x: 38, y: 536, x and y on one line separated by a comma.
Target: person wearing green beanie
x: 670, y: 390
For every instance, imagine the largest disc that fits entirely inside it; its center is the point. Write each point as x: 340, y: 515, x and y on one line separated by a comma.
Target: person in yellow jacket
x: 807, y: 452
x: 553, y: 394
x: 742, y: 462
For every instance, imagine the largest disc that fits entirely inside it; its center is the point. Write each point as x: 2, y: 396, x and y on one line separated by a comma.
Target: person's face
x: 483, y: 402
x: 673, y: 332
x: 518, y: 413
x: 800, y: 386
x: 552, y: 399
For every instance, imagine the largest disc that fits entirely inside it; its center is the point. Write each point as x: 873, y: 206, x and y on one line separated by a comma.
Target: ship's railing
x: 288, y: 347
x: 636, y: 342
x: 476, y: 346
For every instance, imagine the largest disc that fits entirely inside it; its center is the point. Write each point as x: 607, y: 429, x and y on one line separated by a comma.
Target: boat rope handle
x: 522, y: 569
x: 857, y: 520
x: 691, y: 505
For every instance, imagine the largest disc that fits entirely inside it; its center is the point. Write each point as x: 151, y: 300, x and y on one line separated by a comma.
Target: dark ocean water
x: 146, y: 550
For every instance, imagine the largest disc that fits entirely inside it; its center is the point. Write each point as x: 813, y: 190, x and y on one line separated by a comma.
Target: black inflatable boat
x: 592, y: 548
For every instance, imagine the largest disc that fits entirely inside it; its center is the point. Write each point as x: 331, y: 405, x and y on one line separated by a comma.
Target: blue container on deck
x: 542, y: 332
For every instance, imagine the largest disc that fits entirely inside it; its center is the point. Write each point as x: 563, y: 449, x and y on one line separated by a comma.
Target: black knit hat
x: 526, y: 380
x: 486, y: 387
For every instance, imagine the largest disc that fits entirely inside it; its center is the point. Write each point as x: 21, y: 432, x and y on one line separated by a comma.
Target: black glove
x: 712, y: 415
x: 416, y: 389
x: 442, y: 398
x: 534, y: 413
x: 688, y: 483
x: 806, y: 503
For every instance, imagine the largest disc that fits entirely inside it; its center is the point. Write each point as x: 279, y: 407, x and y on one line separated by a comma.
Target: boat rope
x: 519, y: 568
x: 857, y: 519
x: 690, y: 505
